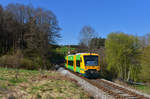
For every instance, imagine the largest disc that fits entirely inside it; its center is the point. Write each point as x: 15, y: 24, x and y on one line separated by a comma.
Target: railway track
x: 112, y: 89
x: 116, y: 91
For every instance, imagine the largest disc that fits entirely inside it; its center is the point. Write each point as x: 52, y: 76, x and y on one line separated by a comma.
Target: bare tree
x: 86, y: 35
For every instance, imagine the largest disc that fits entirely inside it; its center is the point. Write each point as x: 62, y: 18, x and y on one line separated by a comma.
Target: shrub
x: 26, y: 63
x: 11, y: 60
x: 18, y: 61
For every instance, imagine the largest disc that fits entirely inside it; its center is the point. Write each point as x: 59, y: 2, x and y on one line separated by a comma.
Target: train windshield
x: 91, y: 60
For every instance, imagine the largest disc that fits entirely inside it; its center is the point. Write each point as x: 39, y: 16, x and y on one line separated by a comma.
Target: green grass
x: 64, y: 49
x: 9, y: 75
x: 143, y: 88
x: 38, y: 85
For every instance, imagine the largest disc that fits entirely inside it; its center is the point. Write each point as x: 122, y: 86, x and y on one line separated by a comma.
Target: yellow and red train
x: 87, y: 64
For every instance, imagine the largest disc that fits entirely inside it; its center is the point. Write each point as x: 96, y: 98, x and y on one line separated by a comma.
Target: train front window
x: 91, y: 60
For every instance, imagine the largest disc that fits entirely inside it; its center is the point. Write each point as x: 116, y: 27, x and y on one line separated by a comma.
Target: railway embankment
x: 91, y: 89
x: 103, y: 89
x: 127, y: 88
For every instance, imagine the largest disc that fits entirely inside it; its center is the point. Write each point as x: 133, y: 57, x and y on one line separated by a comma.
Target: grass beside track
x: 143, y: 88
x: 38, y: 85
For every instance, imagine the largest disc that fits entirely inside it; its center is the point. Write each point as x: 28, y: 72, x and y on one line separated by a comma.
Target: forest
x: 29, y: 37
x: 26, y: 36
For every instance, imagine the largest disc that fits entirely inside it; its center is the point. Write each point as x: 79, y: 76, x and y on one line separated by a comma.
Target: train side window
x: 78, y: 63
x: 70, y: 63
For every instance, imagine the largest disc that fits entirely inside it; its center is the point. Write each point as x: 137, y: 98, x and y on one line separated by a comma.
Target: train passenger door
x: 82, y: 66
x: 67, y: 62
x: 74, y: 63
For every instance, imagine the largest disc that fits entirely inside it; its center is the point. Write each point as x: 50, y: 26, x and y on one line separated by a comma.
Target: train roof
x: 78, y: 55
x: 83, y: 54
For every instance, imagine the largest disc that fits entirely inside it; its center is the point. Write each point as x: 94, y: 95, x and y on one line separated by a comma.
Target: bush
x: 26, y: 64
x: 11, y: 60
x: 17, y: 60
x: 7, y: 59
x: 37, y: 62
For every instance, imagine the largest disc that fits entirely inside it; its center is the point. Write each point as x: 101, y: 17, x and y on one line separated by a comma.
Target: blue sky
x: 105, y: 16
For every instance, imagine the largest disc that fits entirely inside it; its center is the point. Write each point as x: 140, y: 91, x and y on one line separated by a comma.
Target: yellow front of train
x: 90, y: 62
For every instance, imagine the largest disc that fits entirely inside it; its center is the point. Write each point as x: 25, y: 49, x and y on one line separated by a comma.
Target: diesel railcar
x: 87, y: 64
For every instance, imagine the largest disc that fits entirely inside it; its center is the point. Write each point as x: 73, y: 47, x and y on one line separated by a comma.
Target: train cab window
x: 91, y: 60
x: 78, y: 63
x: 70, y: 63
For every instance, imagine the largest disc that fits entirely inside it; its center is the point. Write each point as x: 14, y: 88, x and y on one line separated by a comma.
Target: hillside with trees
x: 26, y: 35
